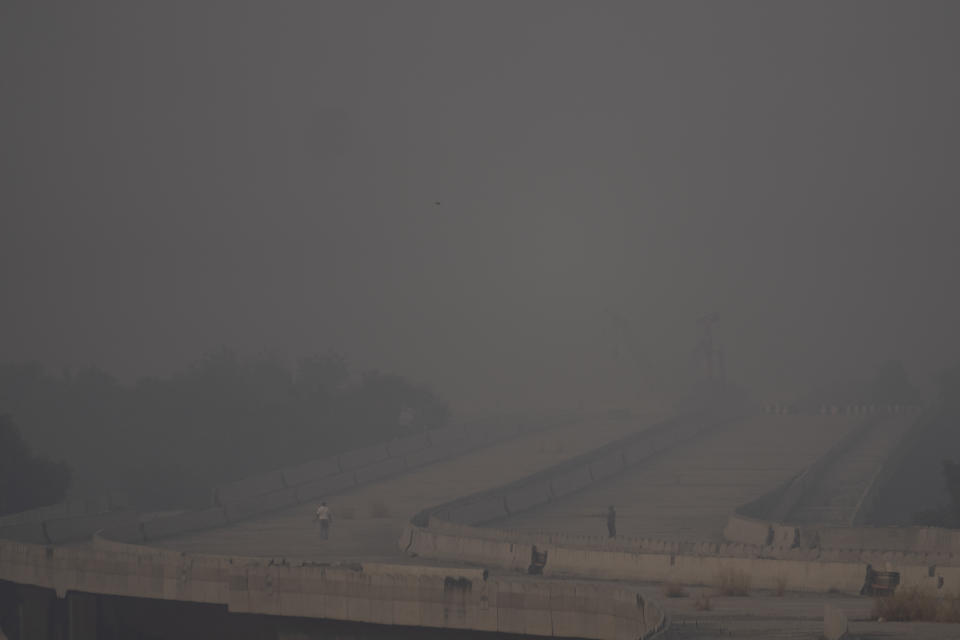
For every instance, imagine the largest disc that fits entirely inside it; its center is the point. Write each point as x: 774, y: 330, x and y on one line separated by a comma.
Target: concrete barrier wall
x: 702, y: 563
x: 379, y: 594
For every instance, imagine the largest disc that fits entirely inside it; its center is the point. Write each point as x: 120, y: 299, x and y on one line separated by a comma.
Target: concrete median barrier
x: 436, y: 452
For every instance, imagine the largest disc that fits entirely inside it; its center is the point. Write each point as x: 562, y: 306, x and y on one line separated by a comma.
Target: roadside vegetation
x: 914, y: 604
x: 165, y: 440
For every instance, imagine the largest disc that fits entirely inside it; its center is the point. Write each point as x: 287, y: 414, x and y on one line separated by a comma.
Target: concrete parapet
x: 381, y: 594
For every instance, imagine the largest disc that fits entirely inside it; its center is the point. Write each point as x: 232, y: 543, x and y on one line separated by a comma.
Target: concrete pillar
x: 36, y: 613
x: 81, y: 616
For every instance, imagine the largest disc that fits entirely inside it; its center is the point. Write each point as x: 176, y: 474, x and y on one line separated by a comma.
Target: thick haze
x: 176, y: 176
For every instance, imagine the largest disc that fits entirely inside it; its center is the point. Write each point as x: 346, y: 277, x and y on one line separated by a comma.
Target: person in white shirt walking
x: 324, y: 518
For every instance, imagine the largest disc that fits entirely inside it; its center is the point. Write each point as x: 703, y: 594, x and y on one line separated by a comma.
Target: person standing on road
x: 611, y: 522
x: 323, y: 517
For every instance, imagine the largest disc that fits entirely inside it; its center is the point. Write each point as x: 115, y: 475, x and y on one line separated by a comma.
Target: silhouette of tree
x: 166, y: 440
x: 27, y: 481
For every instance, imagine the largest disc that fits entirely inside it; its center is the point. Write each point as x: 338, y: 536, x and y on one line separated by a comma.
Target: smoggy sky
x: 177, y: 176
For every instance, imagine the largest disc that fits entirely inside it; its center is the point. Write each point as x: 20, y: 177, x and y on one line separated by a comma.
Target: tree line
x: 165, y: 440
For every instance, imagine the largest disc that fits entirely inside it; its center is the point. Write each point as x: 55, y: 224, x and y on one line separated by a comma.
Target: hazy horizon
x: 461, y: 192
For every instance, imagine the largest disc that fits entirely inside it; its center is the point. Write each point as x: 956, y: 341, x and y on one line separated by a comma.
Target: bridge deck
x: 835, y: 497
x: 368, y: 520
x: 688, y: 493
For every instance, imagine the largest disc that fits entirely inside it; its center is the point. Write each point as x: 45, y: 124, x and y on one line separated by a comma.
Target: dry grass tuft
x: 702, y: 603
x: 674, y: 590
x: 378, y: 508
x: 915, y: 603
x: 733, y: 582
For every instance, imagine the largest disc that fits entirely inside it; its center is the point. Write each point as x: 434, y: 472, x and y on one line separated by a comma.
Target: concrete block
x: 408, y: 444
x: 570, y: 481
x: 258, y: 504
x: 378, y: 470
x: 324, y: 487
x: 311, y: 470
x: 835, y: 625
x: 250, y: 486
x: 31, y: 532
x: 482, y: 510
x: 606, y: 465
x: 74, y: 529
x: 528, y: 497
x: 184, y: 522
x: 362, y: 457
